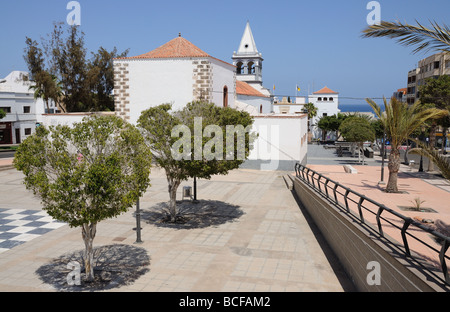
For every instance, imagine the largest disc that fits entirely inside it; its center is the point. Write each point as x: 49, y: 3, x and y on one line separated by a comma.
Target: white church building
x: 179, y: 72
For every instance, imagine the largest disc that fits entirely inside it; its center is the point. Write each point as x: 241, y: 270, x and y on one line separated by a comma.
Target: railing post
x: 361, y: 199
x: 405, y: 242
x: 380, y: 229
x: 318, y: 183
x: 326, y: 187
x: 346, y: 201
x: 335, y: 195
x: 445, y: 245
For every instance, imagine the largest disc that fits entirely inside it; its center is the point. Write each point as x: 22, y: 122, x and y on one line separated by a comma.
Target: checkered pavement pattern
x: 18, y: 226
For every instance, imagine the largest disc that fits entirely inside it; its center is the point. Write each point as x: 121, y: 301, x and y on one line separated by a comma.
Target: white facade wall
x: 282, y: 142
x: 67, y: 119
x: 223, y: 75
x: 152, y: 82
x: 156, y: 82
x: 256, y: 102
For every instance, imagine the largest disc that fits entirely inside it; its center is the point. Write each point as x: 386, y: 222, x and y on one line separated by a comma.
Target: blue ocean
x: 353, y: 108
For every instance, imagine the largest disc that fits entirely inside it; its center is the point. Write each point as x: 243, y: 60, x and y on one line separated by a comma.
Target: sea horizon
x: 355, y: 108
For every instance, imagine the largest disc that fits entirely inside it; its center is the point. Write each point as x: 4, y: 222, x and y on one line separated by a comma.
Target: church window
x: 260, y: 109
x: 225, y: 96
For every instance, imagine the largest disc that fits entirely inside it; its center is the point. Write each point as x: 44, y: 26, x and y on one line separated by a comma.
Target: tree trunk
x: 88, y: 233
x: 173, y: 186
x: 393, y: 166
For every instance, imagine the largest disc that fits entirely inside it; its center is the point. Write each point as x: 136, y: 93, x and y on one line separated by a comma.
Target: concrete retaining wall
x: 372, y: 262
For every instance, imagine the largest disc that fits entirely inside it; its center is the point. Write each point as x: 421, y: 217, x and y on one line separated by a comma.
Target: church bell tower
x: 248, y: 60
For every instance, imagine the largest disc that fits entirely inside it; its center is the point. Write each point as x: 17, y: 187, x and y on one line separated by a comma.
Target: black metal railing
x: 365, y: 206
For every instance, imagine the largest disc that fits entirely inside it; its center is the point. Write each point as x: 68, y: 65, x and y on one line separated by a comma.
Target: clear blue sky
x: 312, y: 43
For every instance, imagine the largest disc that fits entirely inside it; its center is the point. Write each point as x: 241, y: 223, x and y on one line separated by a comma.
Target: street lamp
x: 138, y: 223
x: 383, y: 151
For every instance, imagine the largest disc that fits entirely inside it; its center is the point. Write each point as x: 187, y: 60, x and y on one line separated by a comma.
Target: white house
x: 23, y: 112
x: 327, y: 103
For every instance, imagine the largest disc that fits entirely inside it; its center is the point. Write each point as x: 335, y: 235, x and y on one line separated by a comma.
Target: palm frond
x: 425, y: 39
x: 439, y: 160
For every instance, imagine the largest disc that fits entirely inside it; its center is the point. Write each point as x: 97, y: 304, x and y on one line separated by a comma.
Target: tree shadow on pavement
x: 193, y: 215
x: 114, y: 266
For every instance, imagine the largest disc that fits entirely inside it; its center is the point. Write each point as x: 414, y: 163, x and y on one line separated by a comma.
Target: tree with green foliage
x: 311, y: 110
x: 157, y: 124
x: 87, y: 84
x: 441, y: 161
x: 436, y: 93
x: 331, y: 123
x: 325, y: 123
x: 357, y: 130
x: 47, y: 88
x: 93, y: 171
x: 400, y: 120
x: 198, y: 141
x: 424, y: 38
x: 2, y: 114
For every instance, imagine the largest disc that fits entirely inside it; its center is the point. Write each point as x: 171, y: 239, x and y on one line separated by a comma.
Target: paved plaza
x: 247, y: 233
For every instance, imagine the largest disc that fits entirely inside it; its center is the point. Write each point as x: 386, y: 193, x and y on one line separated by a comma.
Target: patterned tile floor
x: 18, y: 226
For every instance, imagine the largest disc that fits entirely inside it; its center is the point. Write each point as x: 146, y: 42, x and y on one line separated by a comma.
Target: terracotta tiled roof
x: 326, y: 90
x: 244, y: 88
x: 175, y: 48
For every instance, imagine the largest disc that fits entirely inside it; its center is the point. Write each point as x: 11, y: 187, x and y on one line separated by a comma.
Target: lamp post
x: 383, y: 151
x: 421, y: 157
x: 138, y: 223
x: 195, y: 201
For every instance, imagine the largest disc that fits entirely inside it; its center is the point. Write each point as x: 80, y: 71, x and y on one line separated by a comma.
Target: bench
x: 350, y: 169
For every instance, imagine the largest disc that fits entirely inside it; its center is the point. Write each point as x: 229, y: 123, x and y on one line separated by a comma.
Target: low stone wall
x: 374, y: 263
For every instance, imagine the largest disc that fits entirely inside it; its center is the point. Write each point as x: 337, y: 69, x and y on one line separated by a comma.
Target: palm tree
x: 440, y: 160
x: 425, y: 39
x: 311, y: 110
x: 58, y: 94
x: 400, y: 120
x: 47, y: 87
